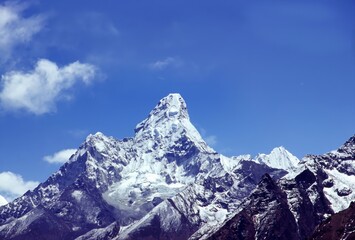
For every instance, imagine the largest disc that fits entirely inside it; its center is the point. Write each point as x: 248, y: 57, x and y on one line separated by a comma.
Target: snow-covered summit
x: 163, y: 157
x: 171, y: 107
x: 279, y: 158
x: 98, y: 140
x: 346, y: 150
x: 169, y: 124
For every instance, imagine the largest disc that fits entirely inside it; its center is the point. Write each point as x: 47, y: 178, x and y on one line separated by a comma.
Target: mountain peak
x: 346, y: 150
x: 348, y: 146
x: 170, y: 108
x: 169, y: 122
x: 172, y: 105
x: 351, y: 141
x: 279, y: 149
x: 95, y: 136
x: 279, y: 158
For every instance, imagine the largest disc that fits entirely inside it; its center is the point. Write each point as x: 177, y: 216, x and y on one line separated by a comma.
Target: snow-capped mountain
x: 115, y: 181
x: 336, y: 169
x: 166, y: 183
x: 308, y: 195
x: 279, y: 158
x: 109, y: 180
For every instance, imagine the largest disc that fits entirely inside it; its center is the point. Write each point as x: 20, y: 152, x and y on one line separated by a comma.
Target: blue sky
x: 255, y: 75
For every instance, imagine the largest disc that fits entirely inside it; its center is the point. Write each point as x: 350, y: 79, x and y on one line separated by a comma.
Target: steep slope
x: 167, y: 183
x: 310, y: 195
x: 279, y: 158
x: 340, y: 226
x: 109, y: 180
x: 303, y: 213
x: 108, y: 183
x: 306, y: 201
x: 71, y: 198
x: 264, y: 215
x: 336, y: 170
x: 202, y: 205
x: 168, y: 153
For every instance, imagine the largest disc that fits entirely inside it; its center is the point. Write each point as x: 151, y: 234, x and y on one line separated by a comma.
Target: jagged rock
x: 264, y: 215
x: 339, y: 226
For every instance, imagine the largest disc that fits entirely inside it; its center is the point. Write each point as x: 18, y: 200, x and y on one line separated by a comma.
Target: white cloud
x: 15, y: 29
x: 211, y: 140
x: 60, y: 157
x: 12, y: 185
x: 37, y: 91
x: 3, y: 201
x: 165, y: 63
x: 78, y: 133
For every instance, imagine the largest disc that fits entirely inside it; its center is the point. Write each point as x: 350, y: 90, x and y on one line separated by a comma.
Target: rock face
x: 69, y: 204
x: 316, y: 188
x: 279, y: 209
x: 336, y: 171
x: 339, y: 226
x: 167, y: 183
x: 264, y: 215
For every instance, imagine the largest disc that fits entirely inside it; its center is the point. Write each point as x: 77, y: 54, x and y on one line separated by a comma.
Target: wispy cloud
x: 78, y: 133
x: 211, y: 140
x: 60, y: 156
x: 13, y: 185
x: 100, y: 24
x: 16, y: 29
x: 38, y: 91
x: 165, y: 63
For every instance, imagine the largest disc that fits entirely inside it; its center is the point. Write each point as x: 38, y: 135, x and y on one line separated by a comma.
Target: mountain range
x: 167, y: 183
